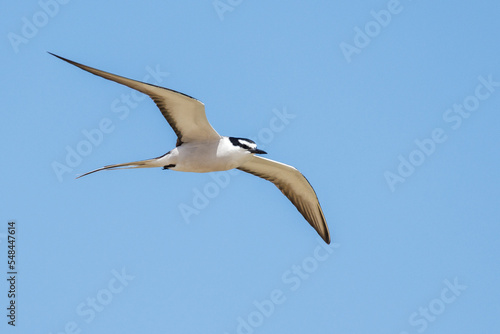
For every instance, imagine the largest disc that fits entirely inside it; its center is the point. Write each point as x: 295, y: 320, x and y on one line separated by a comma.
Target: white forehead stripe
x: 249, y: 144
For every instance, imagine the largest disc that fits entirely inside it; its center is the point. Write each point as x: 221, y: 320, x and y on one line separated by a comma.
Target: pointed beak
x: 257, y: 151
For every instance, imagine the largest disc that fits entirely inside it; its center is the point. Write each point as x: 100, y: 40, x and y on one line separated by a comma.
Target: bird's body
x: 201, y: 149
x: 209, y: 156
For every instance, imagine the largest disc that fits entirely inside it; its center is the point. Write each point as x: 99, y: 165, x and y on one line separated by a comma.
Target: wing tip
x: 53, y: 54
x: 323, y: 232
x: 326, y: 233
x: 66, y: 60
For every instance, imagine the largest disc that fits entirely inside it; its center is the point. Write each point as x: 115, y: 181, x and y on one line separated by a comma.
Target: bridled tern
x: 201, y: 149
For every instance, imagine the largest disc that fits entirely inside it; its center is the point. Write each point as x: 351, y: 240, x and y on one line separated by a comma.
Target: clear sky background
x: 391, y: 109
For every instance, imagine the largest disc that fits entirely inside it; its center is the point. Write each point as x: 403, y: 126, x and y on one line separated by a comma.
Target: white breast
x: 203, y: 157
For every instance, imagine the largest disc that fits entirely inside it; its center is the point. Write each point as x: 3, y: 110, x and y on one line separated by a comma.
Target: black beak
x: 257, y: 151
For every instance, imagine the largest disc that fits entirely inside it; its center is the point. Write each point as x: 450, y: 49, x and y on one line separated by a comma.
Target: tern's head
x: 246, y: 144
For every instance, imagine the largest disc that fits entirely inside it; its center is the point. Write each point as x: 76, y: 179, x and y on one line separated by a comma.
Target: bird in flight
x: 201, y: 149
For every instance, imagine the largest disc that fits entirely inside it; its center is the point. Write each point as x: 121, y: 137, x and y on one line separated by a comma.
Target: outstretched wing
x: 185, y: 114
x: 294, y: 186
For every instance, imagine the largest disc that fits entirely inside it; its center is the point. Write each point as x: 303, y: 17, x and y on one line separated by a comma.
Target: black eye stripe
x: 241, y: 142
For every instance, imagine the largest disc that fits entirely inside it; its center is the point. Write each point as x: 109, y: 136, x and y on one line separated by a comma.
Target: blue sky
x: 390, y: 108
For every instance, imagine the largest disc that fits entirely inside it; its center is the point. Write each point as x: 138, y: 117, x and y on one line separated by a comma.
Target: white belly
x: 207, y: 157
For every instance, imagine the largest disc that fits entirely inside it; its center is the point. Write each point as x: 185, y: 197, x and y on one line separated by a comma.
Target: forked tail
x: 136, y: 164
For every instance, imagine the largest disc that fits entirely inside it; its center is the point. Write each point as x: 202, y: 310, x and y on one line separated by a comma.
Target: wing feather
x: 293, y: 185
x: 185, y: 114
